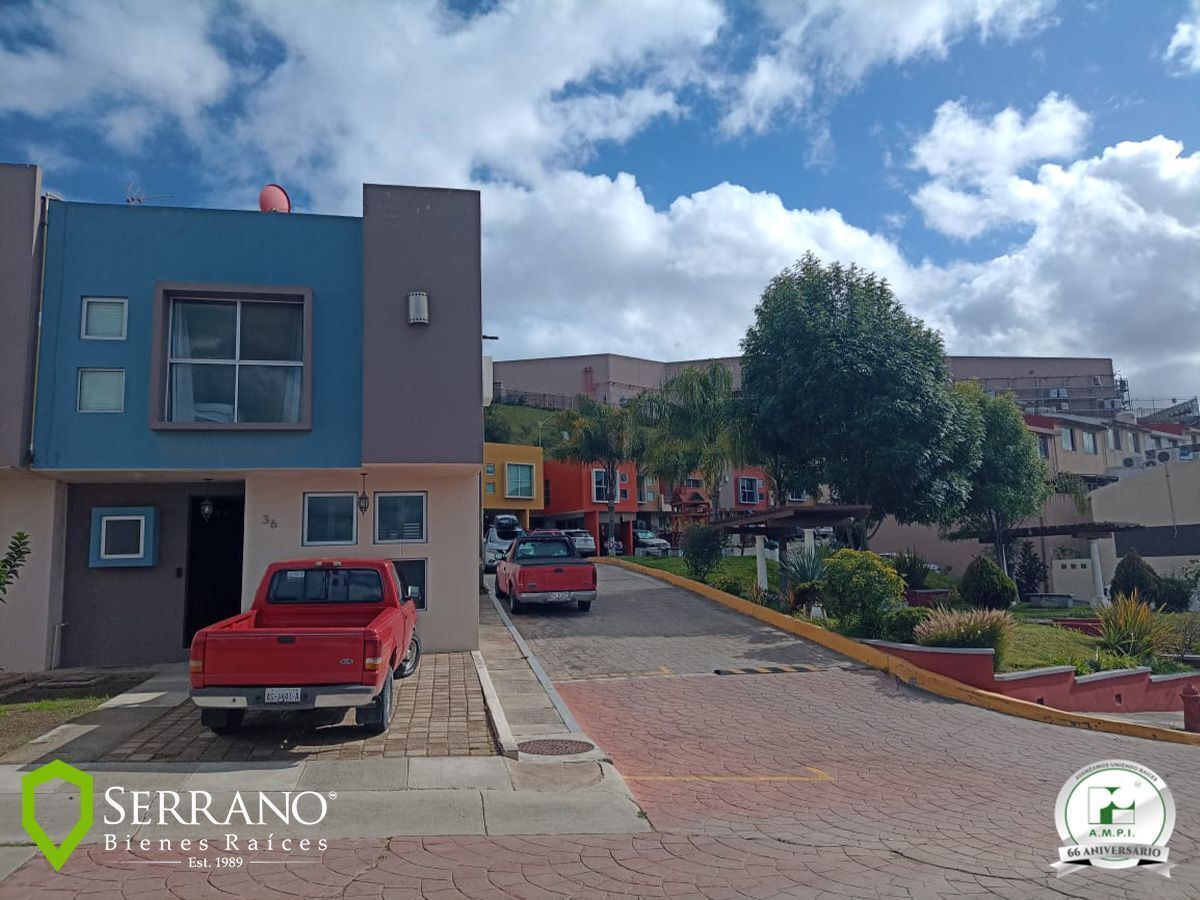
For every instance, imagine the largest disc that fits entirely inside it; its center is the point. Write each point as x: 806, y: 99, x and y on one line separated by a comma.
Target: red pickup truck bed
x: 321, y: 633
x: 545, y: 568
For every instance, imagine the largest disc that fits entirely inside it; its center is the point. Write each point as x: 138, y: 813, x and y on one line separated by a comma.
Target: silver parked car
x: 500, y: 535
x: 585, y: 544
x: 650, y: 542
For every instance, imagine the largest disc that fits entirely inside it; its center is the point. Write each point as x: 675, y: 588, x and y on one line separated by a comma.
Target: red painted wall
x: 1133, y: 692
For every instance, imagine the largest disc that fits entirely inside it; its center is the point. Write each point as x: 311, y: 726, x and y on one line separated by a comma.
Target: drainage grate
x: 550, y: 747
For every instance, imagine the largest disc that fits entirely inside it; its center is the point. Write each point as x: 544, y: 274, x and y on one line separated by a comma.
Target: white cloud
x: 975, y: 163
x: 1184, y: 50
x: 835, y: 43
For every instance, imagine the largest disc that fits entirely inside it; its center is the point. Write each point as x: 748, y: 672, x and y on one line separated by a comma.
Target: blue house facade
x: 201, y: 392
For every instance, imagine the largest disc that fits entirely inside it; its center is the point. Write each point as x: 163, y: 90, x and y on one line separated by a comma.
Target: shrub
x: 701, y: 545
x: 1133, y: 628
x: 1133, y: 574
x: 860, y: 590
x: 985, y: 586
x: 1185, y: 628
x: 730, y: 584
x: 913, y: 569
x: 1029, y: 572
x: 805, y: 568
x: 1173, y: 592
x: 902, y: 622
x: 967, y: 628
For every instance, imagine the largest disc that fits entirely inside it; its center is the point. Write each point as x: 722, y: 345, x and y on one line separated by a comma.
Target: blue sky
x: 1024, y: 171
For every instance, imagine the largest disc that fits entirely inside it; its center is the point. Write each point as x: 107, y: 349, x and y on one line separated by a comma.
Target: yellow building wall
x: 495, y: 459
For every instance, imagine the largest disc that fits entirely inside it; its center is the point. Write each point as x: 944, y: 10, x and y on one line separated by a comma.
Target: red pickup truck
x: 545, y: 568
x: 321, y: 633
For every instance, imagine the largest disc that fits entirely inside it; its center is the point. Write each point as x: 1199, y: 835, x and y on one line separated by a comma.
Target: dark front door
x: 214, y: 571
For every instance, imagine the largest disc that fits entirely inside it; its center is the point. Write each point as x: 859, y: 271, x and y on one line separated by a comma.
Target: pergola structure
x: 777, y: 523
x: 1092, y: 531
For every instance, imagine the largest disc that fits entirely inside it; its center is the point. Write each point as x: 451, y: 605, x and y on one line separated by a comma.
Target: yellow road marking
x: 817, y: 775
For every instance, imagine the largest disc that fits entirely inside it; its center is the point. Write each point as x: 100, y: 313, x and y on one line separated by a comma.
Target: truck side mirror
x: 414, y: 593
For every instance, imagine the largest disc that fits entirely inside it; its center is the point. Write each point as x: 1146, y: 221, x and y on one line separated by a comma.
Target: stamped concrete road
x: 828, y: 783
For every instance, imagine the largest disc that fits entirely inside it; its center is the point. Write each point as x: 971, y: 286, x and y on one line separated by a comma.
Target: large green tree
x: 1011, y: 481
x: 843, y: 381
x: 605, y: 436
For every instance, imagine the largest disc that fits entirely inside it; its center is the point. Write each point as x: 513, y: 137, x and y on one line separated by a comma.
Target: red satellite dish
x: 273, y: 198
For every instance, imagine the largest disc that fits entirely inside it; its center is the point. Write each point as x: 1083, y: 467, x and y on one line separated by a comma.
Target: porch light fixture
x: 418, y: 308
x: 364, y: 501
x: 206, y: 505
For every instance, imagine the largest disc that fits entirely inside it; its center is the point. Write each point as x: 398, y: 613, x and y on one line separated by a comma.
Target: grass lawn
x: 22, y: 722
x: 1024, y: 611
x: 1034, y: 646
x: 740, y: 568
x: 523, y: 420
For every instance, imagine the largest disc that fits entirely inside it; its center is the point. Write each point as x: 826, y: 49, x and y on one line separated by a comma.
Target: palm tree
x: 602, y: 435
x: 693, y: 420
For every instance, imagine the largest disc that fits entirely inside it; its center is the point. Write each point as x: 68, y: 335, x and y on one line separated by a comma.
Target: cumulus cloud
x: 974, y: 163
x: 835, y: 43
x: 1183, y: 53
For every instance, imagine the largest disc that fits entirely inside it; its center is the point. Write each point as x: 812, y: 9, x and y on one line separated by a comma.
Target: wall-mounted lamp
x: 364, y: 502
x: 206, y: 505
x: 418, y: 308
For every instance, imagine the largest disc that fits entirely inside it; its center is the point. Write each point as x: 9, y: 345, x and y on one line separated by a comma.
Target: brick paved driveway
x: 641, y: 626
x: 438, y: 712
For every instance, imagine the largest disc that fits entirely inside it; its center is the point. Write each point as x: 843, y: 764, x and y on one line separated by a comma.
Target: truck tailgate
x: 557, y: 577
x: 284, y: 657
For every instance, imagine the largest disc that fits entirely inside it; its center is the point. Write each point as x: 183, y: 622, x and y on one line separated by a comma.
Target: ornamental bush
x: 701, y: 545
x: 1133, y: 628
x: 1134, y: 574
x: 967, y: 628
x: 902, y: 623
x: 985, y: 586
x: 860, y: 591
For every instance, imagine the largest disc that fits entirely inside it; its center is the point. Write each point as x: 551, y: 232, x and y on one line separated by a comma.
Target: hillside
x: 519, y: 425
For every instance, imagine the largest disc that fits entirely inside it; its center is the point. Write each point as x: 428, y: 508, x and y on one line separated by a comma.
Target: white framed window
x: 624, y: 478
x: 1089, y: 442
x: 399, y: 517
x: 489, y: 487
x: 518, y: 481
x: 122, y: 537
x: 330, y: 519
x: 643, y: 494
x: 599, y: 486
x: 1043, y: 446
x: 104, y: 319
x: 624, y: 494
x: 748, y: 491
x: 796, y: 495
x: 1158, y: 444
x: 693, y: 483
x: 489, y: 469
x: 1114, y: 439
x: 1068, y: 438
x: 235, y: 361
x: 101, y: 391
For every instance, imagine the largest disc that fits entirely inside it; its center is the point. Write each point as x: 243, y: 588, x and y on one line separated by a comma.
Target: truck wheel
x: 514, y: 605
x: 585, y: 605
x: 500, y: 595
x: 412, y: 658
x: 222, y: 721
x: 379, y: 713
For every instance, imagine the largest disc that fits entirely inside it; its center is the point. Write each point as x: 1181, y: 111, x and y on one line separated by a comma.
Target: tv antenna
x: 136, y: 197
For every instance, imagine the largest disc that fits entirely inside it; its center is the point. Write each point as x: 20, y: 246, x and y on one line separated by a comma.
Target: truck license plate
x: 559, y: 596
x: 282, y: 695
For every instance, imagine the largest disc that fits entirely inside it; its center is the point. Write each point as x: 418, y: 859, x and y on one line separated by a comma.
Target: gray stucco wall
x: 133, y: 616
x: 20, y: 189
x: 422, y: 384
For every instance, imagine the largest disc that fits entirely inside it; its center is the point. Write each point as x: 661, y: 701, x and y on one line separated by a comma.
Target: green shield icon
x: 56, y: 854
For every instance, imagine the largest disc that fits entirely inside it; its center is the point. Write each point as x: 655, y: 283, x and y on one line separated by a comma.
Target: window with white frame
x: 797, y: 495
x: 693, y: 483
x: 599, y: 486
x: 101, y: 391
x: 1068, y: 438
x: 1114, y: 439
x: 748, y: 490
x: 1137, y: 442
x: 330, y: 519
x: 235, y: 361
x: 103, y: 319
x: 122, y: 537
x: 518, y: 481
x: 642, y: 493
x: 624, y: 478
x: 1043, y: 446
x: 1089, y: 442
x: 399, y: 517
x: 489, y: 469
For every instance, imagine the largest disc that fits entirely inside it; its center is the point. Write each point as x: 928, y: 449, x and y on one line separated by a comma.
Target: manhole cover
x: 554, y: 747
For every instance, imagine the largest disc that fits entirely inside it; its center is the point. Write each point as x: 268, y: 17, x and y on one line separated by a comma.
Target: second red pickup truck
x: 321, y: 633
x: 545, y: 568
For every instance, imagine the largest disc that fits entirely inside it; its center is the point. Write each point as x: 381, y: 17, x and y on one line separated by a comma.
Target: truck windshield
x: 325, y: 586
x: 544, y: 549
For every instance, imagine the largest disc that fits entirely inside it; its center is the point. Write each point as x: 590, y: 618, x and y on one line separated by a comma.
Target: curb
x: 539, y: 673
x: 504, y: 735
x: 906, y: 671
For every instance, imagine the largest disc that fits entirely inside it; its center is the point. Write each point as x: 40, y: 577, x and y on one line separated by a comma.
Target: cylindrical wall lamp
x: 418, y: 308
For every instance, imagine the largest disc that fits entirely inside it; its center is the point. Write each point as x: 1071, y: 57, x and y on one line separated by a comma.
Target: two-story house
x: 211, y: 390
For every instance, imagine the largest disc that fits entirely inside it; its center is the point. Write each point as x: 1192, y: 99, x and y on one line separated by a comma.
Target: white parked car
x: 585, y: 544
